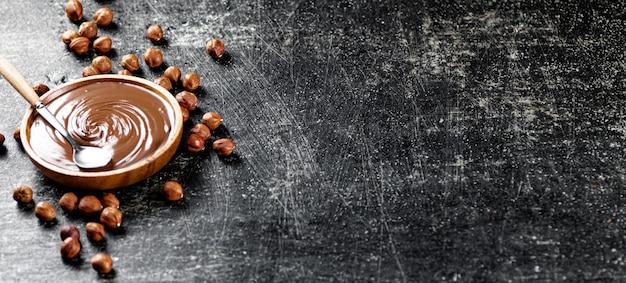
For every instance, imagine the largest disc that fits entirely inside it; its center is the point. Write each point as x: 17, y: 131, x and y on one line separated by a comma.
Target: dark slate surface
x: 377, y: 141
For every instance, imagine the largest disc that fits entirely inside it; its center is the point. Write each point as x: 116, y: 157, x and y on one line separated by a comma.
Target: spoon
x: 85, y: 157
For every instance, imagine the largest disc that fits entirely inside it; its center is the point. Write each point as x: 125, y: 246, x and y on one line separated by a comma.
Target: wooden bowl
x: 147, y: 149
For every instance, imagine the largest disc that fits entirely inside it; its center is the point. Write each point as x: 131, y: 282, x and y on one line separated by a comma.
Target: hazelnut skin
x: 187, y: 99
x: 102, y: 44
x: 212, y: 120
x: 68, y: 35
x: 111, y: 217
x: 102, y: 263
x: 70, y: 248
x: 68, y: 202
x: 215, y: 48
x: 103, y: 16
x: 88, y: 30
x: 153, y: 57
x: 195, y: 143
x: 80, y: 45
x: 102, y: 64
x: 74, y: 10
x: 154, y: 33
x: 45, y: 211
x: 90, y: 71
x: 23, y: 194
x: 202, y: 130
x: 223, y: 147
x: 69, y: 231
x: 110, y: 200
x: 185, y: 112
x: 173, y: 73
x: 164, y: 82
x: 172, y: 191
x: 130, y: 62
x: 95, y: 231
x: 191, y: 81
x: 89, y: 206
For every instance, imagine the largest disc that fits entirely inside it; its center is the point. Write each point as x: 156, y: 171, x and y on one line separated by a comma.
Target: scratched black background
x: 377, y: 141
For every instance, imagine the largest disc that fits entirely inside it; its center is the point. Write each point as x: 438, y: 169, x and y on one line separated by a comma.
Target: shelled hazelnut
x: 185, y: 112
x: 41, y: 89
x: 79, y: 45
x: 102, y: 263
x: 103, y: 16
x: 202, y: 130
x: 94, y: 231
x: 102, y: 44
x: 154, y: 33
x: 102, y: 64
x: 89, y: 206
x: 69, y: 231
x: 187, y: 99
x: 70, y: 248
x: 69, y: 202
x: 111, y: 217
x: 90, y: 71
x: 224, y: 146
x: 153, y: 57
x: 45, y: 211
x: 212, y: 120
x: 124, y: 72
x: 172, y: 191
x: 164, y: 82
x: 191, y: 81
x: 23, y: 194
x: 130, y: 62
x: 110, y: 200
x: 68, y: 35
x: 215, y: 48
x: 195, y: 143
x: 74, y: 10
x: 173, y: 73
x: 88, y: 30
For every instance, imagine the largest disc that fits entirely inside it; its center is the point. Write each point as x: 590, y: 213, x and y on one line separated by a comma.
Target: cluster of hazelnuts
x: 80, y: 41
x: 105, y: 208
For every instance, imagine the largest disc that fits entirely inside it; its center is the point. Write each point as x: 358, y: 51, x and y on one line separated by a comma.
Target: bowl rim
x: 61, y: 89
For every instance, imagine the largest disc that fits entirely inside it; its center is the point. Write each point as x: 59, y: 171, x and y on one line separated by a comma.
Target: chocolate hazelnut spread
x: 130, y: 120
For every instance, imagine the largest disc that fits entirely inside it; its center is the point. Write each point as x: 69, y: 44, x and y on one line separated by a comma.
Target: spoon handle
x: 18, y: 81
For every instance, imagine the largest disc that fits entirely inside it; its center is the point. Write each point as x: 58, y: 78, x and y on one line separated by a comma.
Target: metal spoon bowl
x: 85, y: 157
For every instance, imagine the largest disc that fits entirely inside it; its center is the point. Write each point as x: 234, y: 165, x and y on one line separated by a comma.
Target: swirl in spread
x: 130, y: 120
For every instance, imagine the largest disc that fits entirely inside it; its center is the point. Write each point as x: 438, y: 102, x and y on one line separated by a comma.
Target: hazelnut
x: 164, y: 82
x: 41, y: 89
x: 153, y: 57
x: 195, y: 143
x: 69, y: 231
x: 172, y: 191
x: 88, y: 30
x: 191, y: 81
x: 202, y: 130
x: 173, y: 73
x: 89, y: 206
x: 2, y: 138
x: 74, y: 10
x: 185, y: 112
x: 90, y: 71
x: 223, y: 147
x: 110, y: 200
x: 111, y: 217
x: 103, y: 16
x: 154, y: 33
x: 45, y: 211
x: 187, y: 99
x: 215, y: 48
x: 124, y: 72
x: 102, y: 64
x: 95, y: 231
x: 102, y: 44
x: 23, y: 194
x: 212, y: 120
x: 68, y: 35
x: 70, y: 248
x: 102, y: 263
x: 79, y: 45
x: 130, y: 62
x: 17, y: 135
x: 68, y: 202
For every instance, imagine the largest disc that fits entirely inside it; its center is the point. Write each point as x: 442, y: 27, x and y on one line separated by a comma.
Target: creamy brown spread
x: 131, y: 121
